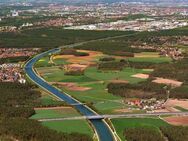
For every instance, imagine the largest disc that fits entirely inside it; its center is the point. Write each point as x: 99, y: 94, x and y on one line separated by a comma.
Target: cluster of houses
x: 11, y: 72
x: 147, y: 104
x: 8, y: 28
x: 174, y: 53
x: 16, y: 52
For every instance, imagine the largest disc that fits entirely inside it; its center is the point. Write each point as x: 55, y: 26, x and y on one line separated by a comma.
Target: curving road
x: 103, y: 131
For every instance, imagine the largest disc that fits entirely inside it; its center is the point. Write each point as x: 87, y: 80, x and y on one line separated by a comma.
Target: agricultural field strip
x: 118, y: 116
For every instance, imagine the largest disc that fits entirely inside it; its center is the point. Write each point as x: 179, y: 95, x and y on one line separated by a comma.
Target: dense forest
x: 170, y: 133
x: 17, y: 102
x: 142, y: 134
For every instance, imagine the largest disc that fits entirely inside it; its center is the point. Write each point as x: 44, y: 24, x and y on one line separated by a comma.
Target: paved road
x: 117, y: 116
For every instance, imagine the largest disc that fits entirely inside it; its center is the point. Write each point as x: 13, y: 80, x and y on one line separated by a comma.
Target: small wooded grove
x: 170, y: 133
x: 69, y: 51
x: 142, y: 90
x: 147, y: 89
x: 112, y: 65
x: 177, y: 70
x: 17, y: 102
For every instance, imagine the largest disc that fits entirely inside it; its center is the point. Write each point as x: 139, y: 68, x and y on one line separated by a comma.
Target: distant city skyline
x: 97, y: 1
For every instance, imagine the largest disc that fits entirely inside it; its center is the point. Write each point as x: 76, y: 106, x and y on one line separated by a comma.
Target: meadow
x: 54, y: 113
x: 68, y: 126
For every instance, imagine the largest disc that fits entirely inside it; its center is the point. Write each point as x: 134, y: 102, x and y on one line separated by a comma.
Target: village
x: 12, y: 71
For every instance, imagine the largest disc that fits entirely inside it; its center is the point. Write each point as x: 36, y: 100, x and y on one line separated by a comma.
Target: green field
x: 151, y: 59
x: 70, y: 126
x: 55, y: 113
x: 91, y: 74
x: 121, y: 124
x: 96, y: 80
x: 48, y: 99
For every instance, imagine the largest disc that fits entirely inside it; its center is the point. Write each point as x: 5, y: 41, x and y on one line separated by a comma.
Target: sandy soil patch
x: 85, y: 60
x: 148, y: 70
x: 176, y: 102
x: 180, y: 120
x: 72, y: 86
x: 52, y: 108
x: 122, y: 111
x: 171, y: 82
x: 161, y: 111
x: 74, y: 67
x: 141, y: 75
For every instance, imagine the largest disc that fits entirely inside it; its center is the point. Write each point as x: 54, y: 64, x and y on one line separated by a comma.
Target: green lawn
x: 70, y: 126
x: 55, y: 113
x: 121, y: 124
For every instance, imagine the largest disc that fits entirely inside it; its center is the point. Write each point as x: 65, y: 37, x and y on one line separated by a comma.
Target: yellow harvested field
x: 147, y: 55
x: 86, y: 60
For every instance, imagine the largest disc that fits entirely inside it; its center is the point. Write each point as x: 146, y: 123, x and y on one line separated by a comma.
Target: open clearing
x: 147, y: 55
x: 122, y: 123
x: 70, y: 126
x: 170, y: 82
x: 180, y: 121
x: 71, y: 86
x: 141, y: 75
